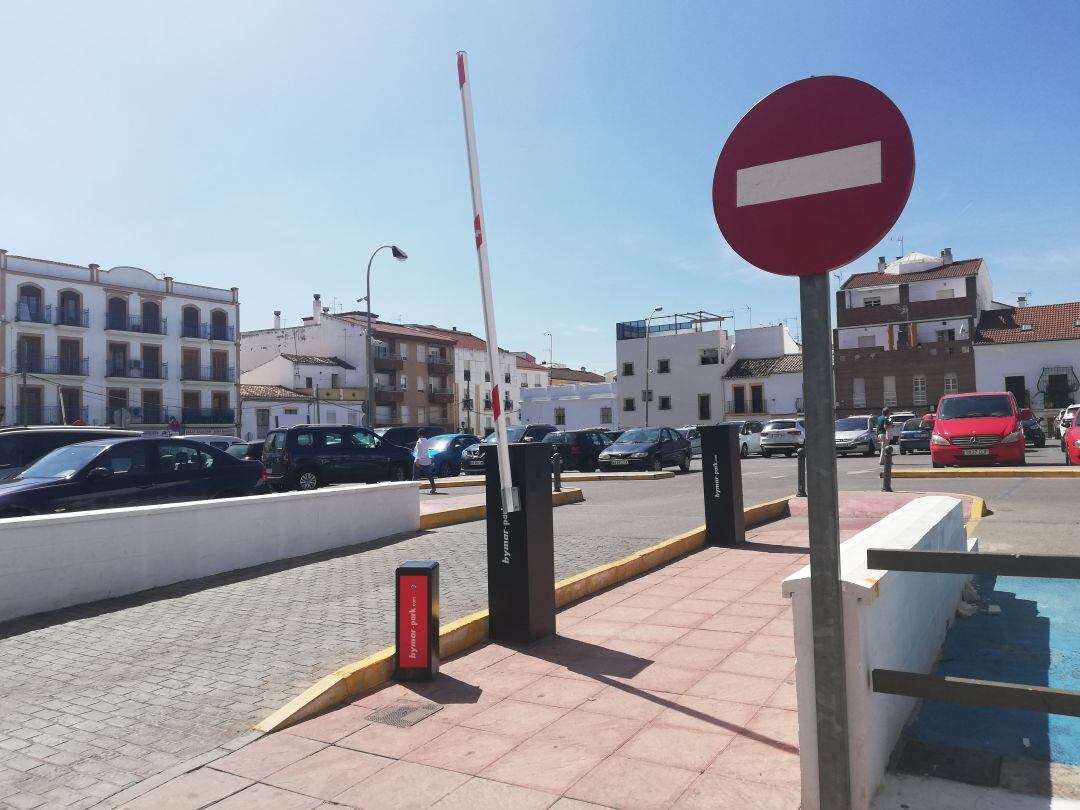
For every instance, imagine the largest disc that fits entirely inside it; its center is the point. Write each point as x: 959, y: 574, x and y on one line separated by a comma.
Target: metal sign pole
x: 510, y: 500
x: 834, y: 783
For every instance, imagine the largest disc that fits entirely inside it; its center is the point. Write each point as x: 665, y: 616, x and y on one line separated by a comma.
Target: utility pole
x: 318, y: 409
x: 648, y: 390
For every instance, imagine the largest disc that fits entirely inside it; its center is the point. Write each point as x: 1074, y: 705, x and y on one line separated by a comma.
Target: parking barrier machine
x: 416, y: 649
x: 721, y: 476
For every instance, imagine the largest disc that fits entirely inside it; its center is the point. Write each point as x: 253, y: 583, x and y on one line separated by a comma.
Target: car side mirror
x: 98, y: 473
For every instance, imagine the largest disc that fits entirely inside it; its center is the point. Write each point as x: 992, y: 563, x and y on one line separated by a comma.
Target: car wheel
x: 1040, y: 443
x: 398, y: 472
x: 903, y: 452
x: 307, y: 480
x: 766, y: 454
x: 936, y: 465
x: 684, y: 465
x: 870, y: 449
x: 657, y: 464
x: 788, y: 453
x: 445, y: 470
x: 13, y: 513
x: 744, y: 451
x: 1023, y: 461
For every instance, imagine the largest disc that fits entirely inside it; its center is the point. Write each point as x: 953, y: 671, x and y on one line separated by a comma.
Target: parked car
x: 981, y: 428
x: 445, y: 452
x: 115, y: 472
x: 855, y: 434
x: 251, y: 451
x: 221, y: 443
x: 306, y: 457
x: 915, y: 435
x: 897, y: 420
x: 1033, y: 430
x: 749, y: 436
x: 1070, y: 445
x: 472, y: 458
x: 691, y: 434
x: 783, y: 436
x: 1065, y: 421
x: 647, y: 449
x: 579, y: 449
x: 610, y: 435
x: 22, y: 446
x: 406, y: 435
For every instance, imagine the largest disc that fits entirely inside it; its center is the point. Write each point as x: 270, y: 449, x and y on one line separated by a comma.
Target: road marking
x: 775, y: 477
x: 835, y: 170
x: 860, y: 472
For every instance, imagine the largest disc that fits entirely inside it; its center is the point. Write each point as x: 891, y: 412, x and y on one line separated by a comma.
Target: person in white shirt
x: 422, y: 466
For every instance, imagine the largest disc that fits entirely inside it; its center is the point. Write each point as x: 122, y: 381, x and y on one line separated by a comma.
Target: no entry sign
x: 813, y: 176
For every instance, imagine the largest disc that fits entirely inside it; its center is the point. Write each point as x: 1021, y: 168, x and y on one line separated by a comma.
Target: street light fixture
x: 551, y: 344
x: 401, y: 256
x: 648, y: 371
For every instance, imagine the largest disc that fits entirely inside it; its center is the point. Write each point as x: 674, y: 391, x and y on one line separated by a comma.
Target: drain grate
x: 403, y: 713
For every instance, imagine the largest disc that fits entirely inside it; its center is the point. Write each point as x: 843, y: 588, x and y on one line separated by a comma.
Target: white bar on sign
x: 838, y: 169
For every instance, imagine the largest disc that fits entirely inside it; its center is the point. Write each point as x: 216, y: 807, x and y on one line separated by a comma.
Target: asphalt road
x: 97, y: 698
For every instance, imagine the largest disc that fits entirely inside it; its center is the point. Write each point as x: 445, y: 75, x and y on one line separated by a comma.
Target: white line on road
x: 860, y: 472
x: 812, y: 174
x: 775, y: 477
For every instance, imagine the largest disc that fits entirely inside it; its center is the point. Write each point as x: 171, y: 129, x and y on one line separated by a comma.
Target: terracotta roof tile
x: 1047, y: 322
x: 530, y: 365
x: 789, y: 364
x: 959, y: 269
x: 764, y: 366
x: 315, y: 360
x: 269, y: 392
x: 574, y: 375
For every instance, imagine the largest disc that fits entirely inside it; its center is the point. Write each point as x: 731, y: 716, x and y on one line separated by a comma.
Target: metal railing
x: 136, y: 323
x: 207, y: 416
x: 33, y: 313
x: 139, y: 369
x: 206, y: 331
x: 47, y: 313
x: 71, y: 317
x: 49, y: 415
x: 31, y: 364
x: 207, y: 373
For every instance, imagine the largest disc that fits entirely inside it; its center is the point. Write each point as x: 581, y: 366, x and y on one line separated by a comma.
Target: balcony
x: 439, y: 365
x: 384, y: 359
x: 440, y: 396
x: 72, y: 317
x: 49, y: 415
x: 74, y: 366
x: 206, y: 331
x: 207, y: 373
x: 938, y: 309
x: 29, y: 312
x: 207, y: 416
x: 389, y: 394
x: 508, y: 405
x: 137, y: 369
x: 136, y: 323
x: 148, y: 415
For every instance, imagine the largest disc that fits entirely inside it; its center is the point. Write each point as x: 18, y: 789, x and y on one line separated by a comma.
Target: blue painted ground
x: 1034, y: 640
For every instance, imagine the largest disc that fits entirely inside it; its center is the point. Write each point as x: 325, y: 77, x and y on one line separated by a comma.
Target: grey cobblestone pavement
x: 95, y: 699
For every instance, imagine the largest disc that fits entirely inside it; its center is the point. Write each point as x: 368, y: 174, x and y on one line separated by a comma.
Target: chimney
x: 277, y: 318
x: 583, y: 368
x: 946, y: 256
x: 316, y: 310
x: 168, y: 281
x: 94, y: 271
x: 881, y: 264
x: 1021, y: 300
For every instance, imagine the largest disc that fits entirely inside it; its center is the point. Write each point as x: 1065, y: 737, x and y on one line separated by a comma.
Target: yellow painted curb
x: 990, y: 472
x: 466, y: 514
x: 465, y: 633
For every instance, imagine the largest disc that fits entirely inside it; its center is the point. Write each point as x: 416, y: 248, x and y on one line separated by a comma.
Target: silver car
x: 855, y: 434
x: 691, y: 434
x: 783, y: 436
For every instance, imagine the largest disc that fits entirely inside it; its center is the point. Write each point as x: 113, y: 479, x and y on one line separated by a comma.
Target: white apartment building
x: 119, y: 347
x: 573, y: 406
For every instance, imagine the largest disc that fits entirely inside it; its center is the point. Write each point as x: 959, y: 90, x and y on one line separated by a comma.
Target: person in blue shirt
x: 883, y: 430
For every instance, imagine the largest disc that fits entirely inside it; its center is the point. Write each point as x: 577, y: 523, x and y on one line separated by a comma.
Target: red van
x: 982, y: 428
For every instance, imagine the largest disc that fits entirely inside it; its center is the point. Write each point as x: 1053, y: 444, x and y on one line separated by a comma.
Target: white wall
x: 582, y: 403
x: 764, y: 341
x: 334, y: 337
x: 994, y: 363
x: 56, y: 561
x: 782, y: 393
x: 888, y: 295
x: 892, y: 620
x: 305, y: 414
x: 849, y: 338
x: 927, y: 290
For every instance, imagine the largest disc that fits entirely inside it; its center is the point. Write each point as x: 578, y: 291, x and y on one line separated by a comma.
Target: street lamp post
x: 551, y: 344
x: 401, y: 256
x: 648, y: 371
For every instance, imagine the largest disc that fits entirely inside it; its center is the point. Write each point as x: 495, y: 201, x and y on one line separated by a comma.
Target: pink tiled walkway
x: 673, y: 690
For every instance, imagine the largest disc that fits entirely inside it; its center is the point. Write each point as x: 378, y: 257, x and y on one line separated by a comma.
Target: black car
x: 310, y: 456
x: 22, y: 446
x: 1033, y: 431
x: 647, y: 449
x: 472, y: 458
x: 109, y: 473
x: 579, y: 449
x: 406, y: 435
x: 250, y: 451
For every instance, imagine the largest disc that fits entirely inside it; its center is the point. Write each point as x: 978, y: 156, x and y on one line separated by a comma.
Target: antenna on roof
x: 899, y: 239
x: 1022, y: 297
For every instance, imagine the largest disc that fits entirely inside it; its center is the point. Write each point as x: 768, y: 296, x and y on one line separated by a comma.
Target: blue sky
x: 272, y: 146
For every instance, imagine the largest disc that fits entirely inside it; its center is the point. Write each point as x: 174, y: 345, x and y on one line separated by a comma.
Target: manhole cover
x: 403, y: 713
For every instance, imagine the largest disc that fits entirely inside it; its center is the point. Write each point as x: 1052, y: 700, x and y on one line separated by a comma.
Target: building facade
x: 265, y: 407
x: 117, y: 347
x: 561, y: 375
x: 571, y: 406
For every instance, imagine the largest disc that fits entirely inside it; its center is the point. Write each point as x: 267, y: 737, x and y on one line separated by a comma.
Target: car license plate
x: 619, y: 461
x: 975, y: 453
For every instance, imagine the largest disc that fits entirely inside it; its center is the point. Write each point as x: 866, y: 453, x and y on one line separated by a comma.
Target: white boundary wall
x: 892, y: 620
x: 56, y: 561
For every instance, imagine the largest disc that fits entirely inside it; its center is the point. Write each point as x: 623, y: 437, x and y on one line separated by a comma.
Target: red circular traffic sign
x: 813, y: 176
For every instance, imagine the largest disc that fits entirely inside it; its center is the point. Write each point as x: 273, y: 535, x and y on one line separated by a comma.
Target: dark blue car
x: 915, y: 435
x: 647, y: 449
x: 109, y: 473
x: 445, y: 452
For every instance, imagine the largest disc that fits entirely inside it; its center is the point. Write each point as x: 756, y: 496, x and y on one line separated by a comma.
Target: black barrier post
x: 801, y: 492
x: 721, y: 476
x: 521, y: 548
x: 556, y: 471
x: 886, y: 476
x: 416, y: 656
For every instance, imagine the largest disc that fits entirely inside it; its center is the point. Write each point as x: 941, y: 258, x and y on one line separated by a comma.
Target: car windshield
x: 381, y: 431
x: 440, y: 442
x: 640, y: 435
x: 853, y: 423
x: 556, y: 438
x: 975, y: 407
x: 783, y: 424
x: 913, y: 424
x: 513, y: 434
x: 63, y: 462
x: 238, y: 450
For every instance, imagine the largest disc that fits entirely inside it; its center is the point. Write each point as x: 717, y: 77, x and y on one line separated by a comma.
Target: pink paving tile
x: 565, y: 692
x: 544, y: 765
x: 714, y: 594
x: 260, y: 797
x: 631, y: 784
x: 327, y: 773
x: 591, y: 730
x: 734, y: 624
x: 495, y: 682
x: 706, y: 714
x: 397, y: 691
x: 734, y: 687
x: 779, y: 627
x: 677, y: 618
x: 785, y: 697
x: 333, y: 725
x: 714, y: 792
x: 734, y: 583
x: 748, y: 759
x: 652, y: 632
x: 390, y: 741
x: 777, y: 724
x: 672, y: 745
x: 769, y: 666
x: 644, y: 650
x: 594, y: 629
x: 633, y: 703
x: 693, y: 657
x: 266, y: 755
x: 522, y: 663
x: 620, y: 613
x: 771, y: 645
x: 564, y: 622
x: 487, y: 794
x: 664, y: 678
x: 515, y: 717
x: 713, y: 639
x: 642, y: 600
x: 467, y: 750
x: 190, y: 791
x: 751, y: 609
x: 402, y: 786
x: 692, y: 604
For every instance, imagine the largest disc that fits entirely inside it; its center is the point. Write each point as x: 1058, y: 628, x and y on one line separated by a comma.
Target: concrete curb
x: 571, y: 477
x: 466, y: 514
x: 990, y: 472
x: 465, y: 633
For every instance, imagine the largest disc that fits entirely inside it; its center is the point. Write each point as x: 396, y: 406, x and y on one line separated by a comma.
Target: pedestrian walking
x: 422, y: 466
x: 884, y: 433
